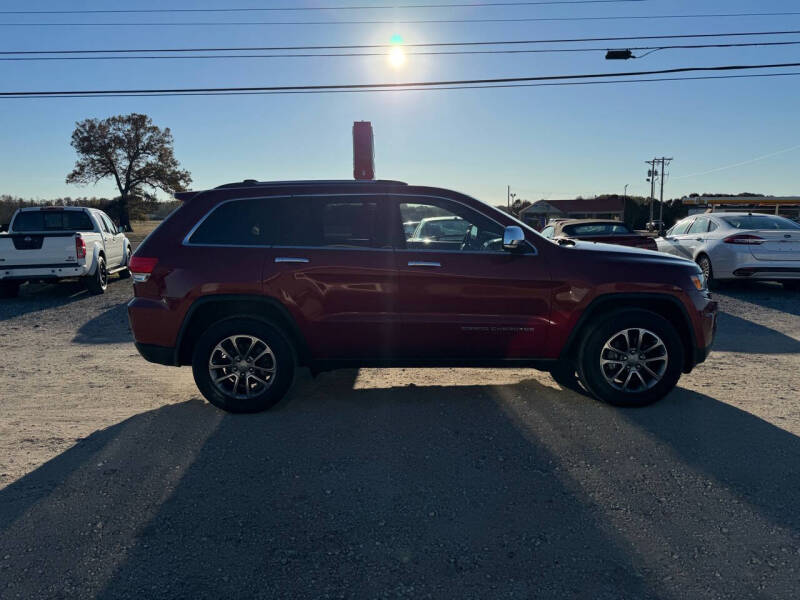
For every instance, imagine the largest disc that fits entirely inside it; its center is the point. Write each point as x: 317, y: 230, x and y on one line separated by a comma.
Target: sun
x: 397, y: 57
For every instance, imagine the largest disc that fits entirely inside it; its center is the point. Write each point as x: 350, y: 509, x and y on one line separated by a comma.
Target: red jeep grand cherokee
x: 249, y: 280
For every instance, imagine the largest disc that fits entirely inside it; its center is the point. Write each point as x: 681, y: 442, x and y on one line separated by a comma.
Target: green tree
x: 129, y: 148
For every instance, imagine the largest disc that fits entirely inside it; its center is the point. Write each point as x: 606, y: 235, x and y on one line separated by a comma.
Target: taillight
x: 745, y: 239
x: 141, y: 268
x: 80, y: 247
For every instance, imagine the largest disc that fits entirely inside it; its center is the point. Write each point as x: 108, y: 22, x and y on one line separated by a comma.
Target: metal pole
x: 661, y: 201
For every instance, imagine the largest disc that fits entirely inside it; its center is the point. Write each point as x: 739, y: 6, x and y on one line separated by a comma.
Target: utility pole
x: 651, y: 177
x: 508, y: 197
x: 664, y: 163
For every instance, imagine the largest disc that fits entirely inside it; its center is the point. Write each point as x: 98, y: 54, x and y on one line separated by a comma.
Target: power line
x: 423, y: 84
x: 415, y: 89
x: 372, y: 54
x: 419, y: 45
x: 400, y: 21
x: 312, y: 8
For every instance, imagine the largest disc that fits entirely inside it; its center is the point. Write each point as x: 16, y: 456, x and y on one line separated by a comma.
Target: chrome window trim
x: 197, y: 225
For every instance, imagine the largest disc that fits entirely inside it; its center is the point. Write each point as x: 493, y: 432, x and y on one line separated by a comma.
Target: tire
x: 639, y: 388
x: 230, y: 394
x: 564, y: 374
x: 9, y: 289
x: 126, y: 273
x: 98, y: 283
x: 705, y: 265
x: 792, y: 285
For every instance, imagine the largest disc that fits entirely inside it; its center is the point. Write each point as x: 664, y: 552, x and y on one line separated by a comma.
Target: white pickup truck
x: 61, y: 242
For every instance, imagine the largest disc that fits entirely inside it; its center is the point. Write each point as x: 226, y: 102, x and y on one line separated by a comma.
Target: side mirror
x: 513, y: 238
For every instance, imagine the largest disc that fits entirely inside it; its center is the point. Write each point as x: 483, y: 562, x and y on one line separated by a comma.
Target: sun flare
x: 397, y: 57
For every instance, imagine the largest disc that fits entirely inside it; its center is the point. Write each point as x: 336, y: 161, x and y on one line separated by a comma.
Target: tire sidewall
x: 281, y: 348
x: 589, y: 358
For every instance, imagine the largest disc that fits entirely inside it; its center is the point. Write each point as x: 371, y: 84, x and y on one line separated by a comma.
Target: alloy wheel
x: 634, y: 360
x: 242, y: 366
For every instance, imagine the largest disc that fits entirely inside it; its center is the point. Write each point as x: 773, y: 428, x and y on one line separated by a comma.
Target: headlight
x: 699, y: 281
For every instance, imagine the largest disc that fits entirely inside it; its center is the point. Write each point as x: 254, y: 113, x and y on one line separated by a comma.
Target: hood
x: 628, y: 252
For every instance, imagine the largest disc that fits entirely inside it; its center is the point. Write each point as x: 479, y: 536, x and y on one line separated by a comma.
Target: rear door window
x: 334, y: 222
x: 699, y: 226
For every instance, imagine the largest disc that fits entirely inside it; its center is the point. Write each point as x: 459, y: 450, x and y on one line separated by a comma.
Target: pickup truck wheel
x: 9, y: 289
x: 631, y: 358
x: 243, y: 365
x: 98, y: 282
x: 126, y: 273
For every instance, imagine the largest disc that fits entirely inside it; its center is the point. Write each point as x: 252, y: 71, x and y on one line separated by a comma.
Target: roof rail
x: 253, y: 182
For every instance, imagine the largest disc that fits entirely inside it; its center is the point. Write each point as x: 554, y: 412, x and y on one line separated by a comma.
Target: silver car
x: 731, y: 246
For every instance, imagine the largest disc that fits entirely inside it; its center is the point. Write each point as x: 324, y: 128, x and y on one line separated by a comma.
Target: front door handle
x: 423, y: 263
x: 698, y: 239
x: 290, y: 259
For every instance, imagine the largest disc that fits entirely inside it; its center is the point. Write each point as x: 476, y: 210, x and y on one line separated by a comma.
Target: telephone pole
x: 651, y: 177
x: 664, y: 162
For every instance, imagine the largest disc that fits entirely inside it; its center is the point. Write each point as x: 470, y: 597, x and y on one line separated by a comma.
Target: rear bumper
x: 56, y: 271
x: 768, y: 272
x: 160, y: 355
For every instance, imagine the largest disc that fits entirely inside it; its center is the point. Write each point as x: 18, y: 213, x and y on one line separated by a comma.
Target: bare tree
x: 129, y: 148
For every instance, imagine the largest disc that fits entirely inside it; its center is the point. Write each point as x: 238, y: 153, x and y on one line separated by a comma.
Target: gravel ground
x: 118, y: 481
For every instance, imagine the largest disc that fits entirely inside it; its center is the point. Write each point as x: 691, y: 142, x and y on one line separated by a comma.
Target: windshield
x: 760, y: 222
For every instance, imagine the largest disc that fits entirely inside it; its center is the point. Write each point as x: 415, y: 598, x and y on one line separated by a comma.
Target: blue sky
x: 545, y: 142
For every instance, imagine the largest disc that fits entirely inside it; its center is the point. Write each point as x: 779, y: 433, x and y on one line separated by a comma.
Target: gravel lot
x: 118, y: 481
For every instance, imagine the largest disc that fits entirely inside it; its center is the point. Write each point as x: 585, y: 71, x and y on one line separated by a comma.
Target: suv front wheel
x: 243, y: 365
x: 631, y: 358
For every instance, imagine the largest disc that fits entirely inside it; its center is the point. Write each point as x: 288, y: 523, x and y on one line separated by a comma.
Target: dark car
x: 595, y: 230
x: 247, y: 281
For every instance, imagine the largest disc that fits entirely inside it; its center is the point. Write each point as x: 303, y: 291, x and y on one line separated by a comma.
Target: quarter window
x: 239, y: 223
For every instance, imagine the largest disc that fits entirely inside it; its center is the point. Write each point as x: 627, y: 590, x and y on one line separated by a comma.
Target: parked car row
x: 726, y: 246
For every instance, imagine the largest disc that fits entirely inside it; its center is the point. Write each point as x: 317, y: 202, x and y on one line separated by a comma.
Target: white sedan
x: 731, y: 246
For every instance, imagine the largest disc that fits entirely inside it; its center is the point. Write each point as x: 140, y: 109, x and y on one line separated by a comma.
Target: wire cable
x: 418, y: 45
x: 312, y: 8
x: 423, y: 84
x: 650, y: 49
x: 402, y: 21
x: 413, y: 89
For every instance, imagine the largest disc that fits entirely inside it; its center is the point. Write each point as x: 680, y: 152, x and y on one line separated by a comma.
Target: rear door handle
x: 290, y: 259
x: 698, y: 239
x: 423, y: 263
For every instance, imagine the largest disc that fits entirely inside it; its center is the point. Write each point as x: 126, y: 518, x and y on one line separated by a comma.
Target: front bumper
x: 160, y: 355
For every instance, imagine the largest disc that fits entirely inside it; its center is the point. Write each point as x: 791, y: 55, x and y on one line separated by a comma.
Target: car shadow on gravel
x: 406, y: 491
x: 735, y: 334
x: 36, y: 297
x: 763, y: 293
x: 109, y: 327
x: 418, y: 491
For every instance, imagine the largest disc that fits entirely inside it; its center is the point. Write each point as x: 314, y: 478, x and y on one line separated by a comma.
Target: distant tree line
x: 139, y: 208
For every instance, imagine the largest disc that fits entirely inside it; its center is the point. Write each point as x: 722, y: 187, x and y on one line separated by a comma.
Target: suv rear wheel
x: 243, y: 365
x: 631, y: 358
